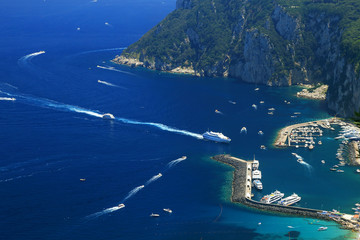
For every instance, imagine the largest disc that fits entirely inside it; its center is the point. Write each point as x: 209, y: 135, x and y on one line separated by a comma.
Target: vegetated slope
x: 274, y: 42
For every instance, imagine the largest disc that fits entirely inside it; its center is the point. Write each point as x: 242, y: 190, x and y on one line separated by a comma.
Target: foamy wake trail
x: 7, y: 99
x: 114, y: 69
x: 107, y: 83
x: 133, y: 192
x: 110, y: 84
x: 176, y: 161
x: 162, y: 127
x: 102, y: 50
x: 66, y: 107
x: 106, y: 211
x: 25, y: 59
x: 154, y: 178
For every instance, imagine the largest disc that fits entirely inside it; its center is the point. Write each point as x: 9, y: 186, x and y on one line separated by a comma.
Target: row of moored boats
x: 277, y: 197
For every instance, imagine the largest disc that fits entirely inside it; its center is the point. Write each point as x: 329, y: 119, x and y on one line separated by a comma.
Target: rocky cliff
x: 272, y: 42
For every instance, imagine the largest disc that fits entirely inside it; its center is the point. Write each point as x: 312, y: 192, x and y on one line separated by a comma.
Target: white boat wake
x: 42, y: 102
x: 153, y: 179
x: 7, y: 99
x: 102, y: 50
x: 114, y: 69
x: 133, y: 192
x: 105, y: 211
x: 176, y: 161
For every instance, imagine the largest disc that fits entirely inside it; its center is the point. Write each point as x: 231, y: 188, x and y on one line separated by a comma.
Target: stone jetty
x: 241, y: 193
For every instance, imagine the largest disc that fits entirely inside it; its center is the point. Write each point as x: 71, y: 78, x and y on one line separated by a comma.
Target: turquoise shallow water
x: 52, y: 136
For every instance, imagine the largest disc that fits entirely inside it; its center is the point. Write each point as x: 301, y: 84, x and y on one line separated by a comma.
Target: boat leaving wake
x: 114, y: 69
x: 7, y: 99
x: 133, y: 192
x: 42, y: 102
x: 154, y: 178
x: 106, y: 211
x: 176, y: 161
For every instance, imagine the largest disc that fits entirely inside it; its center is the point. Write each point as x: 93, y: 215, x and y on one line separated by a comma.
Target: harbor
x: 242, y: 193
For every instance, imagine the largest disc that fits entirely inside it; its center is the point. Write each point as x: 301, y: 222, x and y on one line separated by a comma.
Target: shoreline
x: 238, y: 195
x: 134, y: 63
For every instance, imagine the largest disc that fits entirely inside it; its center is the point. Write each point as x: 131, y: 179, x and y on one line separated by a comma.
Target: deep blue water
x: 52, y: 136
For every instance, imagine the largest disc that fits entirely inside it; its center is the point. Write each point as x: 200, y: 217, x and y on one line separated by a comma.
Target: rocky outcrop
x: 278, y: 46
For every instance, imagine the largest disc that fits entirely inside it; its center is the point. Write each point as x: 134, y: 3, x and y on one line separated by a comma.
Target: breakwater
x: 241, y: 193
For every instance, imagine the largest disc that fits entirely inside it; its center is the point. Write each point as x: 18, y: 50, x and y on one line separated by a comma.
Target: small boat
x: 261, y: 102
x: 108, y: 116
x: 357, y: 204
x: 154, y: 215
x: 297, y: 113
x: 358, y: 170
x: 232, y: 102
x: 217, y: 111
x: 300, y: 160
x: 121, y: 205
x: 311, y: 146
x: 82, y: 179
x: 263, y: 147
x: 258, y: 184
x: 254, y: 106
x: 271, y: 113
x: 335, y: 166
x: 257, y: 89
x: 183, y: 158
x: 260, y: 133
x: 167, y: 210
x: 256, y: 174
x: 323, y: 161
x: 339, y: 170
x: 271, y: 109
x: 322, y: 228
x: 332, y: 169
x: 319, y: 142
x: 243, y: 130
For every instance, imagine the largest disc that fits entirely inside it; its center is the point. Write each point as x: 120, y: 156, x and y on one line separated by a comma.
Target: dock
x: 308, y: 131
x: 241, y: 193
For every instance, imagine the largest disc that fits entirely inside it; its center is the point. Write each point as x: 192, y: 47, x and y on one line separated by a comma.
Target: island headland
x: 277, y: 43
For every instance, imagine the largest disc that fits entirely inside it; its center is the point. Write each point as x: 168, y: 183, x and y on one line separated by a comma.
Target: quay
x: 303, y: 131
x: 241, y: 193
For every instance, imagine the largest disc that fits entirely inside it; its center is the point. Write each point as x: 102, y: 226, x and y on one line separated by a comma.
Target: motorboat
x: 167, y: 210
x: 108, y: 116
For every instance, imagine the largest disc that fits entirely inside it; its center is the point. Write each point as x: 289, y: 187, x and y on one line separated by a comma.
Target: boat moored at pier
x: 273, y: 197
x: 294, y: 198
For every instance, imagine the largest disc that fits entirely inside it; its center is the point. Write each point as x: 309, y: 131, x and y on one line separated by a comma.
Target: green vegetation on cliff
x: 208, y: 35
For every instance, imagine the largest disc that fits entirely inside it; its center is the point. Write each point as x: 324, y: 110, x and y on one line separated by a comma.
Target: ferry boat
x: 167, y: 210
x: 108, y: 116
x: 258, y: 184
x: 294, y: 198
x: 273, y: 197
x: 256, y: 174
x: 216, y: 137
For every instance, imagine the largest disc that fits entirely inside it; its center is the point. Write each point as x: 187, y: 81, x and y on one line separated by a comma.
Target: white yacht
x: 256, y: 174
x: 258, y: 184
x: 273, y: 197
x: 216, y: 137
x: 108, y: 116
x: 294, y: 198
x: 255, y: 164
x: 167, y: 210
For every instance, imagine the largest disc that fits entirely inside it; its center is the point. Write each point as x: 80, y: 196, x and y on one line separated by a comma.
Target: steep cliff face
x: 267, y: 41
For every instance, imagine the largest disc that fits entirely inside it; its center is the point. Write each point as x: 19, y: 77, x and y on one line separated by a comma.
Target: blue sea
x: 55, y: 61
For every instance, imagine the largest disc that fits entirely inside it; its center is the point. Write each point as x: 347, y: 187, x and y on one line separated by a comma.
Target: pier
x: 241, y: 193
